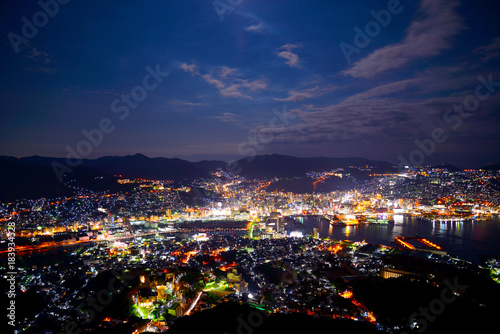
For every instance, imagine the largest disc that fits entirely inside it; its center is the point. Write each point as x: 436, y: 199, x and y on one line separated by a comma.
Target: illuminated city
x: 249, y: 166
x: 223, y: 239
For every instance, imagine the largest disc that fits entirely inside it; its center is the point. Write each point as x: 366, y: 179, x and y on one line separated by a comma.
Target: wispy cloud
x: 254, y: 85
x: 427, y: 36
x: 228, y: 81
x: 37, y: 56
x: 256, y: 27
x: 490, y: 51
x: 225, y: 72
x: 175, y: 102
x: 193, y: 69
x: 309, y: 93
x: 363, y: 119
x: 226, y: 117
x: 40, y: 59
x: 395, y: 111
x: 286, y: 52
x: 225, y: 89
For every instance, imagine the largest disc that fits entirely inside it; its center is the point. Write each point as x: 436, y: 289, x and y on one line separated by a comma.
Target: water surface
x: 466, y: 240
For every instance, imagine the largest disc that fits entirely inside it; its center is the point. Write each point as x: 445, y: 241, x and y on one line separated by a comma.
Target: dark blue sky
x: 252, y: 76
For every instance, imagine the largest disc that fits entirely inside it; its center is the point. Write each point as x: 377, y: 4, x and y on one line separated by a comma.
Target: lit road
x: 193, y: 304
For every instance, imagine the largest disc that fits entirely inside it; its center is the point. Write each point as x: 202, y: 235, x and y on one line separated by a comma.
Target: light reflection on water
x: 467, y: 239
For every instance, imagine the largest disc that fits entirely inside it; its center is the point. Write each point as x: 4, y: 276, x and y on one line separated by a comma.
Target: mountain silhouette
x: 34, y: 176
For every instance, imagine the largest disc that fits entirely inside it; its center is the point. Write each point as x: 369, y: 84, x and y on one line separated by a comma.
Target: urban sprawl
x: 164, y: 250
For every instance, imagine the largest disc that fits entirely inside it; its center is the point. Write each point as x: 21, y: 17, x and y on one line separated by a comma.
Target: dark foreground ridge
x: 233, y: 318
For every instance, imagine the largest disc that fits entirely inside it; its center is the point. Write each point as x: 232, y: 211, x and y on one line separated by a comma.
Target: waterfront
x: 467, y: 240
x: 173, y: 274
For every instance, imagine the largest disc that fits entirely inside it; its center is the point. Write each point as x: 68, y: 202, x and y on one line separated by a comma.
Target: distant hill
x: 260, y: 166
x: 140, y: 166
x: 33, y: 177
x: 449, y: 167
x: 276, y: 165
x: 305, y: 185
x: 491, y: 167
x: 21, y: 181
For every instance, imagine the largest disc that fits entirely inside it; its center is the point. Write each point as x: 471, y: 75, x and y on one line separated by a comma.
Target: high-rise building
x: 315, y: 233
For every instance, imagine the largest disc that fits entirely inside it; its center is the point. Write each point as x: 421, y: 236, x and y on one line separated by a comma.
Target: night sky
x: 232, y: 78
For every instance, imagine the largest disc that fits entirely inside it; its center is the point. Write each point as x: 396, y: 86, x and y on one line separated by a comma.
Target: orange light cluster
x: 346, y: 294
x: 334, y: 248
x: 215, y: 253
x: 430, y: 244
x: 371, y: 318
x: 404, y: 243
x: 321, y: 179
x: 188, y: 256
x: 342, y: 316
x: 263, y: 185
x: 355, y: 302
x: 227, y: 267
